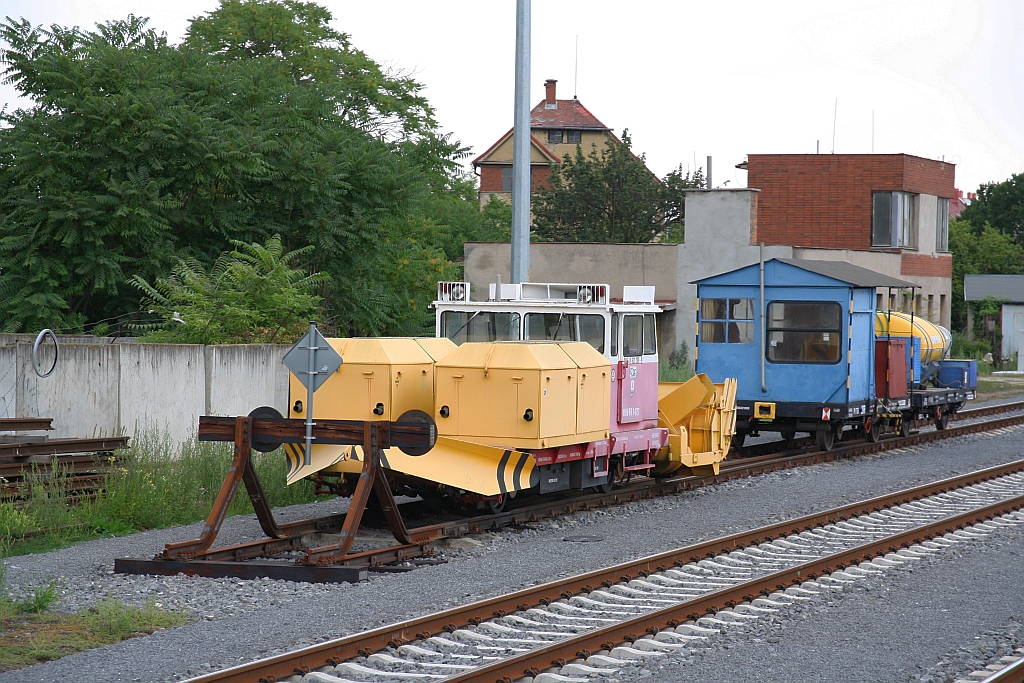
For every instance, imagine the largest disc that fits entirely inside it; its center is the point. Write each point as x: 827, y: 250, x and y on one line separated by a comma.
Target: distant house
x: 556, y: 127
x: 884, y: 212
x: 1007, y: 289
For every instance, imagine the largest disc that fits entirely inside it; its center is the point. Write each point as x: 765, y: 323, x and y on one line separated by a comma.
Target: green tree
x: 988, y: 251
x: 676, y: 185
x: 1000, y: 205
x: 606, y: 196
x: 137, y: 154
x: 252, y: 294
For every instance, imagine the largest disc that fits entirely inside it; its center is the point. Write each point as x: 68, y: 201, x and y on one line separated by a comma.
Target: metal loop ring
x: 35, y: 353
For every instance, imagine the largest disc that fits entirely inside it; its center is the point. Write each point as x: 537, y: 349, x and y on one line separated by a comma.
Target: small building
x: 1009, y: 291
x: 556, y: 128
x: 886, y: 212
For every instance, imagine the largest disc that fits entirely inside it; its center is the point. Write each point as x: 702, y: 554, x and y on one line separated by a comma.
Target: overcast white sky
x: 696, y: 79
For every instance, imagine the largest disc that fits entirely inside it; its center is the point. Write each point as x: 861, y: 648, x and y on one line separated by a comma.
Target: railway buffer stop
x: 812, y: 354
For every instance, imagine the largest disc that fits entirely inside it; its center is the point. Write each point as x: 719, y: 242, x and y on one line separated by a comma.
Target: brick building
x: 556, y: 127
x: 886, y: 212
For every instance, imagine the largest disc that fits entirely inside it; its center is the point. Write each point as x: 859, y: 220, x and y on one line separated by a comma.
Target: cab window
x: 566, y: 327
x: 632, y: 335
x: 804, y: 332
x: 727, y: 321
x: 479, y: 326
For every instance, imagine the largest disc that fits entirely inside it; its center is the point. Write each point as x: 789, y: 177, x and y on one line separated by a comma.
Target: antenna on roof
x: 835, y: 113
x: 576, y: 71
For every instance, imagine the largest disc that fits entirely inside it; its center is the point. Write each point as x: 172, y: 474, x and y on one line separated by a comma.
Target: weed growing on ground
x: 152, y: 484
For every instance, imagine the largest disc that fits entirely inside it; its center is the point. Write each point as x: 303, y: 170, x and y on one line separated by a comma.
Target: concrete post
x: 521, y: 151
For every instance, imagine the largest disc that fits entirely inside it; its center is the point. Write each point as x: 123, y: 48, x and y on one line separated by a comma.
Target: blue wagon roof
x: 841, y: 271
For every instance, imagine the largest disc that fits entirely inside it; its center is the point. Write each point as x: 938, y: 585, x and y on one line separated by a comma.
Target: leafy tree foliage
x: 252, y: 294
x: 610, y: 196
x: 988, y: 251
x: 137, y: 154
x: 1000, y: 205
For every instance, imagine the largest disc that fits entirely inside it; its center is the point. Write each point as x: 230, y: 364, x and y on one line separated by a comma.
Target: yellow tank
x: 524, y: 394
x: 935, y: 339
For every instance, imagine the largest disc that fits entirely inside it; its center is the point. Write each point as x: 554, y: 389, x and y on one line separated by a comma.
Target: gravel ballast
x: 240, y: 620
x: 935, y: 620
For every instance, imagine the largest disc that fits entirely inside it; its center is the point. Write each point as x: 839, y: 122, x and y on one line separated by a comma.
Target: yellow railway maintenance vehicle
x: 542, y: 388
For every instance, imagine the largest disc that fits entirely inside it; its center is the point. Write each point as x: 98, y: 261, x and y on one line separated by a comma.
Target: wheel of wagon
x: 941, y: 418
x: 789, y: 437
x: 872, y: 430
x: 837, y: 432
x: 905, y: 425
x: 825, y: 438
x: 497, y: 505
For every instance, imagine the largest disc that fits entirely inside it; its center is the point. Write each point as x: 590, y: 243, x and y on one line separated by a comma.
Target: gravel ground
x: 935, y: 620
x: 240, y: 620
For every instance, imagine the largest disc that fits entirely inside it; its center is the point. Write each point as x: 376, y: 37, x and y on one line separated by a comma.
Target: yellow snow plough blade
x: 486, y: 470
x: 701, y: 419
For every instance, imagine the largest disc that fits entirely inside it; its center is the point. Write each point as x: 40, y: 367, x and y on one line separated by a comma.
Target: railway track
x: 403, y: 557
x: 754, y: 465
x: 604, y: 620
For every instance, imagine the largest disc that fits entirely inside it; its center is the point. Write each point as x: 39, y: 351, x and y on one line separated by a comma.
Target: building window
x: 894, y: 220
x: 942, y: 225
x: 727, y: 321
x: 804, y: 332
x: 506, y: 178
x: 555, y: 136
x: 573, y: 137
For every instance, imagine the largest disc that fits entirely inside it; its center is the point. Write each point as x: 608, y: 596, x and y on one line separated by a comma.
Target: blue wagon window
x: 727, y: 320
x: 804, y: 332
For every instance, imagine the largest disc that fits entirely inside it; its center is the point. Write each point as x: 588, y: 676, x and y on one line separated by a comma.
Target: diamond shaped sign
x: 312, y: 358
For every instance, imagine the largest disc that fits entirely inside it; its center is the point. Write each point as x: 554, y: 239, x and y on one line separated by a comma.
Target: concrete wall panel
x: 8, y: 381
x: 162, y: 388
x: 81, y: 395
x: 245, y: 376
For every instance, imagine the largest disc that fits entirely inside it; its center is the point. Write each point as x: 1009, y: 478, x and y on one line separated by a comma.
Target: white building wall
x: 719, y: 226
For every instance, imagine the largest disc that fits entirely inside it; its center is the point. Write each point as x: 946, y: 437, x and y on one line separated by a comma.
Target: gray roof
x: 847, y: 272
x: 1006, y: 287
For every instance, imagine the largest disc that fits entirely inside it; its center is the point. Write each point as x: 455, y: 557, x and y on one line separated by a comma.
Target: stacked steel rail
x: 558, y: 653
x: 76, y: 466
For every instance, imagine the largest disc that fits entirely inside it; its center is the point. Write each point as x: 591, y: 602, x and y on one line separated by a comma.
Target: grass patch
x: 32, y: 638
x: 152, y: 485
x: 996, y: 386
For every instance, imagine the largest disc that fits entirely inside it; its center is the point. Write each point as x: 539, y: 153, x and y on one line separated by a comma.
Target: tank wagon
x: 542, y: 388
x: 812, y: 354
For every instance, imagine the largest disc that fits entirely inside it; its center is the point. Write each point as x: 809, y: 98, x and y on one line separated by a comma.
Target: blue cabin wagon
x: 813, y: 369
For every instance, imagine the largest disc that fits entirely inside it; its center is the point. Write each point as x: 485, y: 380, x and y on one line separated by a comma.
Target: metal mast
x: 521, y: 151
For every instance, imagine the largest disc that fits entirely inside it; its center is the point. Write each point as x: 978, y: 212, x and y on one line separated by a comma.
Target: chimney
x: 549, y: 94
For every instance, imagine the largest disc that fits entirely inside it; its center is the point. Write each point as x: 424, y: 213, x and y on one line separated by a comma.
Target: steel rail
x: 634, y: 491
x: 1012, y: 673
x: 649, y: 488
x: 558, y: 653
x: 335, y: 651
x: 775, y: 447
